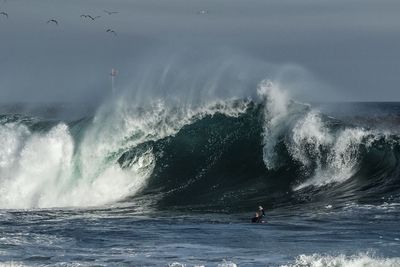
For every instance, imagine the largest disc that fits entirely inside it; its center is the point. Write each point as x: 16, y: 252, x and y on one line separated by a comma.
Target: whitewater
x: 175, y: 183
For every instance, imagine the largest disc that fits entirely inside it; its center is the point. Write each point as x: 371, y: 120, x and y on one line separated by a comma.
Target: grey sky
x: 345, y: 50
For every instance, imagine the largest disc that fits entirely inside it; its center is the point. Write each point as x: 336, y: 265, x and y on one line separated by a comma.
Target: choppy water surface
x: 120, y: 236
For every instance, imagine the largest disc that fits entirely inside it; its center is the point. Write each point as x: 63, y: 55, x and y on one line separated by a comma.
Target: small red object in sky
x: 114, y: 72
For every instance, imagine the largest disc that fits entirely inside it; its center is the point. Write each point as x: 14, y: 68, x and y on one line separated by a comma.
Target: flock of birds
x: 93, y: 18
x: 83, y: 16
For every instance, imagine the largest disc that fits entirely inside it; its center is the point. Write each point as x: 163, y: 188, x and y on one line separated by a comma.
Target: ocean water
x: 176, y: 185
x: 121, y: 236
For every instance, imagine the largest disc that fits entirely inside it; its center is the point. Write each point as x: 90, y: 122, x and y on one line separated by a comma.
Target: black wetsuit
x: 263, y: 213
x: 258, y: 219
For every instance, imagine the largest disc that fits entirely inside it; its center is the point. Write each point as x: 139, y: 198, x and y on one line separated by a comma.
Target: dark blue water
x: 121, y: 236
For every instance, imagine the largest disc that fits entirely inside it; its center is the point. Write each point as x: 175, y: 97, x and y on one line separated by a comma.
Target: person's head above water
x: 260, y: 208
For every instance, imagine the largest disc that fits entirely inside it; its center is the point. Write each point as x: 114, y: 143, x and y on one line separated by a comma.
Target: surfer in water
x: 260, y: 214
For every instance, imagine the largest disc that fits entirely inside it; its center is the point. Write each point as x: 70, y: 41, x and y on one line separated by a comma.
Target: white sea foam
x: 309, y: 137
x: 361, y: 260
x: 176, y: 264
x: 334, y: 154
x: 227, y: 263
x: 224, y: 263
x: 36, y: 168
x: 12, y: 264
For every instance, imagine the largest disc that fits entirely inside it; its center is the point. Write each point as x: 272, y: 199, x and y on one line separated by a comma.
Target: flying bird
x: 52, y: 20
x: 111, y: 31
x: 90, y: 17
x: 4, y: 14
x: 93, y: 18
x: 110, y: 12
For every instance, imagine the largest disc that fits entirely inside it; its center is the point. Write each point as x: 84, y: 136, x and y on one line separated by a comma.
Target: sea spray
x: 277, y: 104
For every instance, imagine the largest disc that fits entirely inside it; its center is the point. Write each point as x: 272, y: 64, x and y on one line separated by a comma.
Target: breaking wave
x: 223, y: 155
